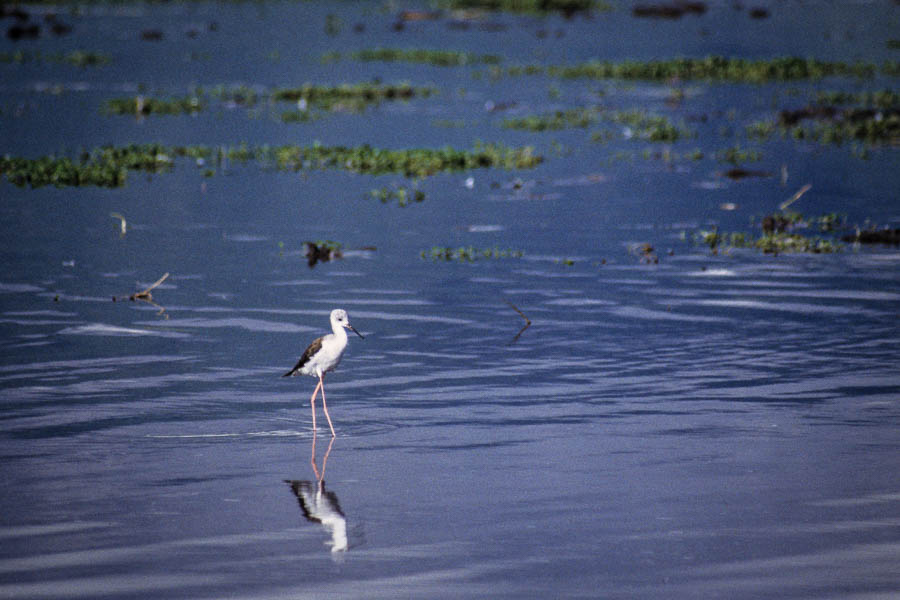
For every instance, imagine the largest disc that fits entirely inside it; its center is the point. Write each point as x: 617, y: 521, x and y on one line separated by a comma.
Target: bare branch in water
x: 795, y: 197
x: 146, y: 295
x: 123, y: 224
x: 521, y: 314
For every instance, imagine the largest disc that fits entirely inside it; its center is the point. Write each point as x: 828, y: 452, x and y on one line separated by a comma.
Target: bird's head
x: 339, y: 316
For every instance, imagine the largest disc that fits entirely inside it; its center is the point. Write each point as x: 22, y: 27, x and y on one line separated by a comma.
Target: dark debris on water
x: 886, y: 236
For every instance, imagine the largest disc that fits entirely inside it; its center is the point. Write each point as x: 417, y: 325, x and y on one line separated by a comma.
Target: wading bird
x: 323, y: 355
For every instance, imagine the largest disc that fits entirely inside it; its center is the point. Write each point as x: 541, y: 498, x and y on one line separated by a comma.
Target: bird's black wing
x: 310, y: 351
x: 305, y: 498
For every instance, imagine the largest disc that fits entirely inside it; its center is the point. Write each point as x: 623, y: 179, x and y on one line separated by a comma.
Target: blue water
x: 708, y: 426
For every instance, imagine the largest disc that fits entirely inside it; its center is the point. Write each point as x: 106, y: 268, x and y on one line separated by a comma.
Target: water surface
x: 705, y: 426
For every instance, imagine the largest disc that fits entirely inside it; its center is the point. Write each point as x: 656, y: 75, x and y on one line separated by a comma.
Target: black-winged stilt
x: 323, y: 355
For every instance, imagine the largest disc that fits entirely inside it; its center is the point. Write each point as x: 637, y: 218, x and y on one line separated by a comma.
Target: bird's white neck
x: 338, y: 330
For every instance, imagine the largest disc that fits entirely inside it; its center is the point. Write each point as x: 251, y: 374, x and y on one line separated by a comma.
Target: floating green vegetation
x: 419, y: 162
x: 298, y: 116
x: 783, y: 232
x: 348, y: 97
x: 761, y: 130
x: 60, y: 172
x: 736, y: 155
x: 529, y: 6
x: 779, y: 222
x: 81, y: 58
x: 710, y: 68
x: 331, y: 97
x: 668, y: 156
x: 641, y: 125
x: 438, y: 58
x: 449, y: 123
x: 240, y: 95
x: 654, y: 128
x: 401, y: 194
x: 560, y: 119
x: 855, y: 125
x: 333, y: 24
x: 771, y: 243
x: 77, y: 58
x: 830, y: 221
x: 867, y: 99
x: 891, y: 68
x: 108, y: 166
x: 105, y: 167
x: 831, y: 125
x: 468, y: 253
x: 141, y: 105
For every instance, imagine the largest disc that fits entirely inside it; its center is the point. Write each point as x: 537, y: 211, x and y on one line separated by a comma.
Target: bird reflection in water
x: 321, y: 506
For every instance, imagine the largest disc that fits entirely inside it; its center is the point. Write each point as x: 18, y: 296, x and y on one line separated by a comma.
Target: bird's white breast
x: 329, y: 355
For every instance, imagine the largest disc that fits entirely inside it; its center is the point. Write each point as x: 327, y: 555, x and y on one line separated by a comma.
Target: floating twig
x: 146, y: 296
x: 521, y: 314
x: 162, y: 309
x: 123, y: 224
x: 795, y: 197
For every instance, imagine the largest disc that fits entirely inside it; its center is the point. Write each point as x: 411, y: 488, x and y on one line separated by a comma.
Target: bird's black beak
x: 353, y: 329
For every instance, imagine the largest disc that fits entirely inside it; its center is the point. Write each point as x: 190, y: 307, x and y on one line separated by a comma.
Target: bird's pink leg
x: 312, y: 458
x: 321, y: 478
x: 325, y: 406
x: 312, y: 402
x: 320, y: 475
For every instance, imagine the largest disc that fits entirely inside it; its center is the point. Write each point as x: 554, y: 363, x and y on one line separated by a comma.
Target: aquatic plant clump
x: 867, y: 99
x: 60, y: 172
x: 640, y: 125
x: 438, y: 58
x: 76, y: 58
x: 402, y: 195
x: 104, y: 167
x: 239, y: 95
x: 654, y: 128
x: 783, y: 232
x: 353, y: 97
x: 710, y: 68
x: 560, y: 119
x: 140, y: 105
x: 859, y: 125
x: 830, y: 125
x: 529, y: 6
x: 327, y: 96
x: 771, y: 243
x: 421, y: 162
x: 108, y: 166
x: 736, y: 155
x: 468, y: 253
x: 298, y: 116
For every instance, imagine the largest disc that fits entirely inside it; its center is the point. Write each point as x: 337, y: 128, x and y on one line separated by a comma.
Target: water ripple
x: 101, y: 329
